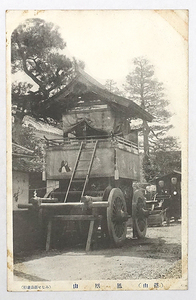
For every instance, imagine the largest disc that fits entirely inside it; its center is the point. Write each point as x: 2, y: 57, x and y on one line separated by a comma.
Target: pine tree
x: 143, y: 88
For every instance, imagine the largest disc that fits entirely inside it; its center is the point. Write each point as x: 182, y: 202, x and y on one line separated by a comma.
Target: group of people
x: 172, y: 200
x: 168, y: 194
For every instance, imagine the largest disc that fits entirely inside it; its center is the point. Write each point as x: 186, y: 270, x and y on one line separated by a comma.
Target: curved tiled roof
x: 95, y: 87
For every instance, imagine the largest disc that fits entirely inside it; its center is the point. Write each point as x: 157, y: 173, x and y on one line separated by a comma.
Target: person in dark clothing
x: 166, y: 201
x: 175, y: 198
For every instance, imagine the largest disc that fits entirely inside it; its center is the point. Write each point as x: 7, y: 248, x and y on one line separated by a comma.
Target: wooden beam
x: 69, y: 204
x: 76, y: 217
x: 90, y: 234
x: 48, y: 238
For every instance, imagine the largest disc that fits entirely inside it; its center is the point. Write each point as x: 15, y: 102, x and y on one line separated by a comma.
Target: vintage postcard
x: 97, y: 129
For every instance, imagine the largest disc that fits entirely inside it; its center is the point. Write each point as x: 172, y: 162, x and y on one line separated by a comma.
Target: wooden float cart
x: 105, y: 199
x: 90, y: 171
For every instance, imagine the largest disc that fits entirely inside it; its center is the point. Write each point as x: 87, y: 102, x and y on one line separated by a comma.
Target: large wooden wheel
x: 117, y: 217
x: 139, y: 214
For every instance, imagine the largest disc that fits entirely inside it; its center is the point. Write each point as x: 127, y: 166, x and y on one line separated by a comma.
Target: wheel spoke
x: 120, y: 230
x: 116, y: 229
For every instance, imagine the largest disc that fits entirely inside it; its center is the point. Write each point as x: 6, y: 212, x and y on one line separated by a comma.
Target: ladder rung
x: 78, y: 180
x: 81, y: 170
x: 57, y: 193
x: 84, y: 160
x: 75, y: 192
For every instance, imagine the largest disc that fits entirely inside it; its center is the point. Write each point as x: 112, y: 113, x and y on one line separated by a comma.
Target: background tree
x: 143, y: 88
x: 20, y: 100
x: 111, y: 86
x: 37, y: 50
x: 164, y: 158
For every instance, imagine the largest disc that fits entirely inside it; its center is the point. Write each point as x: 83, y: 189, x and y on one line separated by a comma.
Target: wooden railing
x: 90, y: 139
x: 75, y: 141
x: 128, y: 143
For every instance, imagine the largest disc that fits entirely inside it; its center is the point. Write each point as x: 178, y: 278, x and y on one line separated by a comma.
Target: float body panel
x: 110, y: 156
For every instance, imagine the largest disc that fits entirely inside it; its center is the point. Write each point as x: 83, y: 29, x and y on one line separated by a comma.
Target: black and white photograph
x: 97, y: 143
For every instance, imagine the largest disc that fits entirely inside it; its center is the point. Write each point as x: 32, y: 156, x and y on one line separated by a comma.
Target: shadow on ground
x: 156, y: 248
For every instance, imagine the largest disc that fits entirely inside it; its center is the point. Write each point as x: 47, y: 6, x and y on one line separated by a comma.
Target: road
x: 156, y: 256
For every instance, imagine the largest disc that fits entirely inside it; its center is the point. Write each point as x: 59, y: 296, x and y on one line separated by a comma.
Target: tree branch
x: 24, y: 60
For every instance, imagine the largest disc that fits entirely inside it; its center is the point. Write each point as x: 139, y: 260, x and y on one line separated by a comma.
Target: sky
x: 108, y: 41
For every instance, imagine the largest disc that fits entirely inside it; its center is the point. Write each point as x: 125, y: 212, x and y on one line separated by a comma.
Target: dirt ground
x: 156, y: 256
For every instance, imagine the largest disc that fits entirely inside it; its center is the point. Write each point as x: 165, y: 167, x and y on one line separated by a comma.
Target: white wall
x: 20, y: 193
